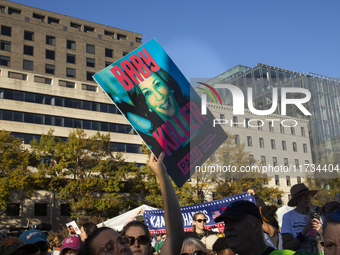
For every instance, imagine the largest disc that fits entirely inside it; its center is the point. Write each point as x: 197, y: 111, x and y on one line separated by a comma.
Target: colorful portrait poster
x: 162, y: 107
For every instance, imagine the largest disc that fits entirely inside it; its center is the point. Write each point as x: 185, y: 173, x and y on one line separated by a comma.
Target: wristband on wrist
x: 300, y: 237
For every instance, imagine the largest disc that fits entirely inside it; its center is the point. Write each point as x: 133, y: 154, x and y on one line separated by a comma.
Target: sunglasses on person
x: 141, y: 240
x: 195, y: 253
x: 112, y: 246
x: 200, y: 220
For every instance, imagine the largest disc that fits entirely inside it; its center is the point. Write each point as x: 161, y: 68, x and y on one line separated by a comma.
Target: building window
x: 298, y: 180
x: 297, y: 166
x: 284, y: 145
x: 237, y: 139
x: 65, y: 210
x: 294, y: 146
x: 70, y: 58
x: 285, y: 160
x: 277, y: 180
x: 5, y: 30
x: 40, y: 209
x: 222, y: 116
x: 28, y: 35
x: 90, y: 49
x: 282, y: 129
x: 234, y: 121
x: 108, y: 33
x: 272, y: 142
x: 247, y: 121
x: 305, y: 148
x: 67, y: 84
x: 50, y: 40
x: 271, y: 128
x: 138, y: 40
x: 5, y: 45
x: 125, y: 53
x: 89, y: 76
x: 27, y: 65
x: 279, y: 200
x: 70, y: 72
x: 263, y: 160
x: 289, y: 197
x: 13, y: 209
x: 52, y: 20
x: 108, y: 53
x: 75, y: 25
x: 89, y: 87
x: 303, y: 131
x: 50, y: 54
x: 307, y: 162
x: 274, y: 161
x: 121, y: 37
x: 292, y: 130
x: 38, y: 16
x: 5, y: 61
x: 259, y: 124
x: 90, y: 62
x: 28, y: 50
x: 49, y: 69
x: 12, y: 10
x: 288, y: 180
x: 107, y: 63
x: 71, y: 44
x: 88, y: 29
x: 261, y: 142
x: 249, y: 141
x: 251, y: 159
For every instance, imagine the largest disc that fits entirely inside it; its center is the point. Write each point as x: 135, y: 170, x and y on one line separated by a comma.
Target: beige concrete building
x: 273, y: 142
x: 46, y: 65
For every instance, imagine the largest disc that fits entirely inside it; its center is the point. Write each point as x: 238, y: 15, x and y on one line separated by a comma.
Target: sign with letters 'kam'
x: 162, y: 107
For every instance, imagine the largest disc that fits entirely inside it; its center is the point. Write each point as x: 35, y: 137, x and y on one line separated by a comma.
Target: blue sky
x: 205, y: 38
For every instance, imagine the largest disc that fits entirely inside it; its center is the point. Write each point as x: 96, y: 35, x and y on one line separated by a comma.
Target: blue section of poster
x: 158, y: 101
x: 155, y: 219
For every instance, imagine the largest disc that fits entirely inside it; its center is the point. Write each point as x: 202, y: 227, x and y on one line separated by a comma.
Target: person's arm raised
x: 172, y: 211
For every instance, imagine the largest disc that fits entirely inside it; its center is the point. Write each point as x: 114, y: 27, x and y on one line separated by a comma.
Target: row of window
x: 50, y: 40
x: 121, y: 147
x: 288, y: 180
x: 80, y: 27
x: 65, y: 122
x: 247, y: 123
x: 57, y: 101
x: 40, y: 209
x: 272, y: 144
x: 285, y: 162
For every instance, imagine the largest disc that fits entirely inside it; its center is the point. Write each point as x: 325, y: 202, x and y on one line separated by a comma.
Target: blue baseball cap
x: 33, y: 236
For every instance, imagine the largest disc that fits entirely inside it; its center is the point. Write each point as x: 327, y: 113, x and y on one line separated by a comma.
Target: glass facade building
x: 324, y: 105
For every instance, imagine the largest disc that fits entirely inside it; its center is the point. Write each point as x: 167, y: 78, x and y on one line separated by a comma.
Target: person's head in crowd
x: 159, y: 238
x: 193, y: 246
x: 199, y: 222
x: 268, y: 213
x: 331, y: 234
x: 139, y: 236
x: 243, y: 227
x: 38, y: 238
x: 57, y: 242
x: 70, y: 245
x: 105, y: 241
x: 86, y: 229
x: 16, y: 246
x: 301, y: 196
x: 220, y: 247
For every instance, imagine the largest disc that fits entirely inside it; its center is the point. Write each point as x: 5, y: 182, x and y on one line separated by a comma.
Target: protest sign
x: 162, y: 107
x: 154, y: 219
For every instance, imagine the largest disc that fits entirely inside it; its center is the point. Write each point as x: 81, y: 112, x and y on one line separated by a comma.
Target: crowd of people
x: 250, y: 229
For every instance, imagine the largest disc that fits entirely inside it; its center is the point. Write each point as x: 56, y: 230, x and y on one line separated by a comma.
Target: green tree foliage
x: 230, y: 183
x: 144, y: 188
x: 14, y: 174
x: 84, y: 170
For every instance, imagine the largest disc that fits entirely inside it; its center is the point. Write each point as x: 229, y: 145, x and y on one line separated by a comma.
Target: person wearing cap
x: 301, y: 226
x: 37, y: 237
x: 70, y: 245
x: 243, y: 230
x: 15, y: 246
